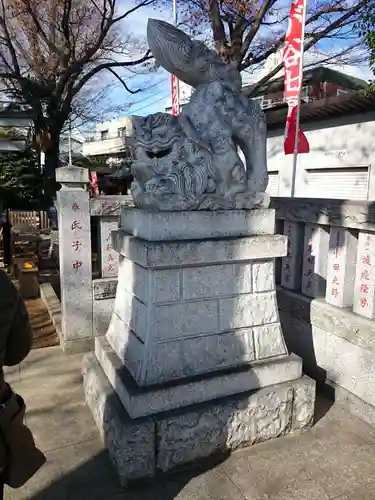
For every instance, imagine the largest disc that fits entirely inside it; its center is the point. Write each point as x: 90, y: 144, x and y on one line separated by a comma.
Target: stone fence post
x: 108, y: 257
x: 75, y: 259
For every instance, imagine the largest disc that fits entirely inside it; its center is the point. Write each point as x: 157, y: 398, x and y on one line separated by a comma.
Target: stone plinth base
x: 141, y: 447
x: 142, y: 401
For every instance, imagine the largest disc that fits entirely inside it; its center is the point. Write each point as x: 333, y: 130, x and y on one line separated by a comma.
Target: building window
x: 104, y: 135
x: 341, y: 91
x: 121, y: 132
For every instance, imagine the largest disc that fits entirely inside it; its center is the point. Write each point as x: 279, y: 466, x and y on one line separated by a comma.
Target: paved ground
x: 335, y: 460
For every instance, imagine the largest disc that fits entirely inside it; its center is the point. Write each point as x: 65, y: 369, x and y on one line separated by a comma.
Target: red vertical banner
x: 293, y: 76
x: 94, y: 184
x: 175, y: 97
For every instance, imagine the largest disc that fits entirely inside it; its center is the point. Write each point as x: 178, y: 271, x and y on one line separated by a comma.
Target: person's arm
x: 20, y: 335
x: 15, y: 329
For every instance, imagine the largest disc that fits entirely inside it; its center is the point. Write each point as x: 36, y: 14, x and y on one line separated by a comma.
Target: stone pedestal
x: 194, y: 361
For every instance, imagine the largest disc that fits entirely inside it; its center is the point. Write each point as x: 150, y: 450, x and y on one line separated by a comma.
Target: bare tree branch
x: 122, y: 82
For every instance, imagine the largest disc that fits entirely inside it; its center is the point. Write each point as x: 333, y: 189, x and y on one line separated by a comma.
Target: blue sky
x: 156, y: 84
x: 155, y: 95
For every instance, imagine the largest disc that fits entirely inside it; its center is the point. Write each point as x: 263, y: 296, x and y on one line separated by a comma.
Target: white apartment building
x: 110, y: 138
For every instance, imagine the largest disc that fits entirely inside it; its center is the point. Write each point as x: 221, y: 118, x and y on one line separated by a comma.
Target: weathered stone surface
x: 133, y: 278
x: 315, y: 254
x: 126, y: 345
x: 184, y: 319
x: 108, y: 257
x: 263, y: 276
x: 216, y: 281
x: 173, y: 168
x: 340, y: 322
x: 306, y: 341
x: 131, y: 444
x: 291, y: 264
x: 102, y: 314
x: 197, y: 225
x: 337, y: 350
x: 132, y: 312
x: 248, y: 310
x: 166, y: 285
x: 109, y: 204
x: 294, y: 303
x: 354, y: 404
x: 149, y: 285
x: 350, y: 366
x: 146, y: 401
x: 364, y: 288
x: 343, y: 323
x: 238, y: 421
x: 304, y: 403
x: 104, y: 289
x: 214, y: 352
x: 72, y: 175
x: 75, y: 254
x: 269, y: 341
x: 171, y: 253
x: 341, y: 267
x: 329, y: 212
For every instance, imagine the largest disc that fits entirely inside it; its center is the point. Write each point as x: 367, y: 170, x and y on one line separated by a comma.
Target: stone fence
x: 326, y: 283
x: 326, y: 293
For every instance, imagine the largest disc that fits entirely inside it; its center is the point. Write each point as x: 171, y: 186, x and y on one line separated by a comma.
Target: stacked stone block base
x: 142, y: 447
x: 194, y: 361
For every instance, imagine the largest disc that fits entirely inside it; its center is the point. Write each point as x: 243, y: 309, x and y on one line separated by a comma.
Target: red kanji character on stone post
x: 364, y: 288
x: 75, y: 207
x: 364, y: 302
x: 77, y: 265
x: 366, y: 260
x: 335, y: 292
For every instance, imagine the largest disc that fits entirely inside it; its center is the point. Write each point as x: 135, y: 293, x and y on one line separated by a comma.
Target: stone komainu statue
x: 192, y: 161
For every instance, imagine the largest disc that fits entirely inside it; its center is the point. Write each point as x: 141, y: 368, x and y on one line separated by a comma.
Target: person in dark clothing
x: 7, y: 231
x: 15, y: 342
x: 53, y: 217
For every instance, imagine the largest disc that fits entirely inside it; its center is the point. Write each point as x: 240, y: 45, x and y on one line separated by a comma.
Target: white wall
x: 338, y: 150
x: 113, y: 125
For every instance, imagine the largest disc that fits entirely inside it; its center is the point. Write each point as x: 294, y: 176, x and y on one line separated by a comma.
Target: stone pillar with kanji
x: 75, y: 259
x: 108, y: 256
x: 341, y: 268
x: 364, y: 289
x: 315, y: 254
x: 291, y: 264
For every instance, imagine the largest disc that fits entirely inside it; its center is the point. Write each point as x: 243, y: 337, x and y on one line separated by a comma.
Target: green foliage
x: 20, y: 178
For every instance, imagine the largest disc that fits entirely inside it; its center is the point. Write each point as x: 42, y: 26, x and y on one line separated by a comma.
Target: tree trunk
x: 51, y: 151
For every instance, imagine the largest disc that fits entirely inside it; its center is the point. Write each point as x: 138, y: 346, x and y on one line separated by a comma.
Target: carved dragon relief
x: 192, y: 161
